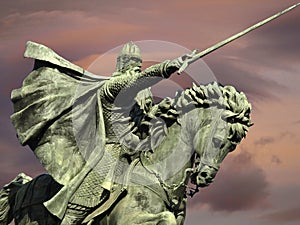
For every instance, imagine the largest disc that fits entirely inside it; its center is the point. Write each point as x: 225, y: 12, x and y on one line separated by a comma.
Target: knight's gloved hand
x: 184, y: 61
x: 181, y: 63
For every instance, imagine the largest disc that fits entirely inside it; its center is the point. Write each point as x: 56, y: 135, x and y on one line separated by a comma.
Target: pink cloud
x: 86, y: 61
x: 283, y: 216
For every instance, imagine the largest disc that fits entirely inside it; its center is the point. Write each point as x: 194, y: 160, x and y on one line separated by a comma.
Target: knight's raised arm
x: 129, y: 79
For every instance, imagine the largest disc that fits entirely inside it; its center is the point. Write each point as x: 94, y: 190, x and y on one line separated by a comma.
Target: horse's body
x: 191, y: 140
x: 148, y: 200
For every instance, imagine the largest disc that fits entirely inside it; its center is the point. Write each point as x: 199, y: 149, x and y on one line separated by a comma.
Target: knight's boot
x: 75, y: 214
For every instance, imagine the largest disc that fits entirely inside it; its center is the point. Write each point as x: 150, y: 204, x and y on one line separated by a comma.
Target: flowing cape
x: 58, y: 114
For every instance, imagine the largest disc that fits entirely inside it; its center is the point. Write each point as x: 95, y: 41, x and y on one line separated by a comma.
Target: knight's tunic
x: 117, y: 97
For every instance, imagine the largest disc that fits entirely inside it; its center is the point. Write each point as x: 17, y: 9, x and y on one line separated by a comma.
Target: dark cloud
x: 19, y: 6
x: 239, y: 185
x: 283, y: 216
x: 72, y: 34
x: 107, y: 6
x: 229, y: 72
x: 267, y: 140
x: 274, y: 45
x: 247, y: 62
x: 279, y: 40
x: 275, y: 159
x: 287, y: 134
x: 16, y: 159
x: 263, y: 141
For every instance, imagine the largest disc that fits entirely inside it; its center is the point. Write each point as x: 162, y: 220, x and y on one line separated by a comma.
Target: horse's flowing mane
x: 235, y: 104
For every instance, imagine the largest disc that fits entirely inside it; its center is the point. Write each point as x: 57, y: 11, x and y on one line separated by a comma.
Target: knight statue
x: 65, y: 117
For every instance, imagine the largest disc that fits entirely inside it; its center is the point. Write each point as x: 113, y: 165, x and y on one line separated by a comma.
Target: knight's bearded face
x: 129, y: 58
x: 129, y: 62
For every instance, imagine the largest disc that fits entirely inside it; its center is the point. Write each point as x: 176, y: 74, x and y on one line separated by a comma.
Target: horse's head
x: 207, y: 121
x: 211, y: 148
x: 225, y: 123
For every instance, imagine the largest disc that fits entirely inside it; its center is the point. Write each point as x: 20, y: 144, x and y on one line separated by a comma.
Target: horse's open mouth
x: 204, y: 177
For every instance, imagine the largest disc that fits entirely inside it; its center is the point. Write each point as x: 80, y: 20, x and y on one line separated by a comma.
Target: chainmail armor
x: 117, y: 97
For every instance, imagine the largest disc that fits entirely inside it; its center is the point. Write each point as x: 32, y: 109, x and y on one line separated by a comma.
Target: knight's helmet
x: 129, y: 57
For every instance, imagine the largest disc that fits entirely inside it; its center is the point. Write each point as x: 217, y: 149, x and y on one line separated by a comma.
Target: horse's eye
x: 231, y: 148
x: 217, y: 142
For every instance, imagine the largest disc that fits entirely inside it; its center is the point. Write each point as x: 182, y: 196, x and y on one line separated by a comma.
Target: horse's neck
x: 174, y: 150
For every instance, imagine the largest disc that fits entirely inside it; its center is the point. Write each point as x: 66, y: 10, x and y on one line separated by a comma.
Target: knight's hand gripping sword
x: 194, y: 56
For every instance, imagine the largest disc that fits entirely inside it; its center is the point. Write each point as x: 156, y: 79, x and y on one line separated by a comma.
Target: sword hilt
x: 186, y: 60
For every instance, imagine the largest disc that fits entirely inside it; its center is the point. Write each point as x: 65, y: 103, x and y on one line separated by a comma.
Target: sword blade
x: 238, y: 35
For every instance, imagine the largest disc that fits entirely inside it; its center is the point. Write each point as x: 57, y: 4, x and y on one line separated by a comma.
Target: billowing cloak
x: 58, y: 114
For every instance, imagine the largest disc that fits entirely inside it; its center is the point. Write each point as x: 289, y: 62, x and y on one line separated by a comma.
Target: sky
x: 259, y: 182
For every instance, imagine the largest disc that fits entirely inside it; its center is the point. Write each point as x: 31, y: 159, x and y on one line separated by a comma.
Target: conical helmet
x: 129, y: 57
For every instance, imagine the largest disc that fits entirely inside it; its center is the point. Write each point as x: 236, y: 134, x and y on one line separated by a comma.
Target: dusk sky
x: 259, y: 182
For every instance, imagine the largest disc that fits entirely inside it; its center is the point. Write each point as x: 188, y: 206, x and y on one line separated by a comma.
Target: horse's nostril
x: 203, y: 174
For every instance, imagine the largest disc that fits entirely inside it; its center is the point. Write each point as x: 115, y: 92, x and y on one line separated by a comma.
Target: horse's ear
x: 250, y: 124
x: 227, y: 115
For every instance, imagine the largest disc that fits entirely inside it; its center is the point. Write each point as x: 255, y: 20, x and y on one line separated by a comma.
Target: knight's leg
x: 75, y: 214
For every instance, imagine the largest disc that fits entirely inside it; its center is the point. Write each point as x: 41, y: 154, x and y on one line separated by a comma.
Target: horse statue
x: 189, y: 137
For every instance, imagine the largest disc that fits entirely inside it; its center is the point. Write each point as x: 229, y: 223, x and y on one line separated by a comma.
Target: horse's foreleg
x: 144, y: 218
x: 167, y: 218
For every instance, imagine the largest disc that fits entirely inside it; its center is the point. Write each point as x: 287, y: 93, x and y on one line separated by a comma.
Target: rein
x: 172, y: 188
